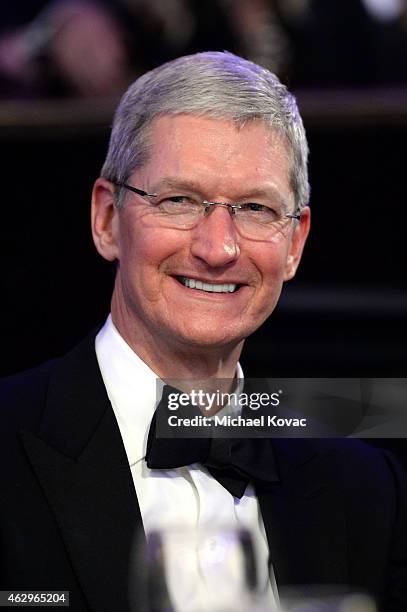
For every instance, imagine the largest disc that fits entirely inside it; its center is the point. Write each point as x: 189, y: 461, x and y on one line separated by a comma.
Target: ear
x: 298, y: 238
x: 105, y: 219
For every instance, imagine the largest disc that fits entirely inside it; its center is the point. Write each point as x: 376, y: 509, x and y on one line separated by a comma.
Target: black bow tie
x: 234, y: 462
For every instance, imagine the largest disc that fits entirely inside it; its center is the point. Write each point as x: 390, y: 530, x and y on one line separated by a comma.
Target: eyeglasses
x: 253, y: 220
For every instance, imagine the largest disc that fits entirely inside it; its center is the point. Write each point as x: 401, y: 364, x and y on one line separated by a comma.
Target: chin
x: 216, y: 338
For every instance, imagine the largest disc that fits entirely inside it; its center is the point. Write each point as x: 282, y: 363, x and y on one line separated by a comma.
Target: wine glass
x: 325, y: 598
x: 210, y: 569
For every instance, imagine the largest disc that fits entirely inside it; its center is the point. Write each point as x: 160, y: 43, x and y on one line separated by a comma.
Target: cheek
x: 271, y: 265
x: 271, y: 261
x: 144, y: 253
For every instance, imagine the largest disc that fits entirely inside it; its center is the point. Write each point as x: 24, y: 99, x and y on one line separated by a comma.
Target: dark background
x: 344, y: 315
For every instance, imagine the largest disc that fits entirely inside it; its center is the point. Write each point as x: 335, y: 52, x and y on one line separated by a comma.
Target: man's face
x: 222, y: 163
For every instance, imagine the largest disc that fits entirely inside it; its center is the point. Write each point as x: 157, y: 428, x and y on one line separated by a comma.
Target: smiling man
x: 188, y: 292
x: 203, y: 205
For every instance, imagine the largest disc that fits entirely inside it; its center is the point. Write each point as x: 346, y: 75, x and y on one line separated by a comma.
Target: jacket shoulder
x: 23, y: 396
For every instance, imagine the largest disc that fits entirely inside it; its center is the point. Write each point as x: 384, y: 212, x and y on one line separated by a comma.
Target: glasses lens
x: 181, y: 212
x: 257, y: 228
x: 254, y: 221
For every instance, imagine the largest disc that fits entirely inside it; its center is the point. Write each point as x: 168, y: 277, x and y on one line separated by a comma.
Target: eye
x: 178, y: 199
x: 179, y: 204
x: 262, y: 212
x: 254, y: 207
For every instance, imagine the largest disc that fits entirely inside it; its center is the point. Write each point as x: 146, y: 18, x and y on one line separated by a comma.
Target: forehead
x: 202, y: 147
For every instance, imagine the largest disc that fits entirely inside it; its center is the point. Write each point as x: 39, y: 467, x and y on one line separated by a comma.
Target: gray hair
x: 219, y: 85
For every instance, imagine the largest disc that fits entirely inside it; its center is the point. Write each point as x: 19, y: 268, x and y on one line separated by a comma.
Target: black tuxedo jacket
x: 69, y: 512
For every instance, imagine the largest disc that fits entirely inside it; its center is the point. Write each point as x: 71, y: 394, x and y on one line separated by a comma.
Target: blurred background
x: 63, y: 65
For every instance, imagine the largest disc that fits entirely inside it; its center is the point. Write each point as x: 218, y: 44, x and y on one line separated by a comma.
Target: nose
x: 215, y: 240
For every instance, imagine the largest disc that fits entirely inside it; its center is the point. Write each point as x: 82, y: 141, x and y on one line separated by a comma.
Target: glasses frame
x: 231, y: 206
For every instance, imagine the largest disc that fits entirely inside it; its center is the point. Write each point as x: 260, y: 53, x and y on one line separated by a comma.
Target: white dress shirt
x: 188, y: 496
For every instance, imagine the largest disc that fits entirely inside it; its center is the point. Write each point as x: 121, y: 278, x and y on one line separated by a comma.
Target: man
x: 202, y: 204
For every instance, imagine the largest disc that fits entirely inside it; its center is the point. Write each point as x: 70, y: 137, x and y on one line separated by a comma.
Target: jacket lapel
x: 304, y: 517
x: 80, y: 462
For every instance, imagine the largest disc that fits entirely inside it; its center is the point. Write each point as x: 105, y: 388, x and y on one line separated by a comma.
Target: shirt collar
x: 132, y: 386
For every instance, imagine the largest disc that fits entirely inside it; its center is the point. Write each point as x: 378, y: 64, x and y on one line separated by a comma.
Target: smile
x: 191, y: 283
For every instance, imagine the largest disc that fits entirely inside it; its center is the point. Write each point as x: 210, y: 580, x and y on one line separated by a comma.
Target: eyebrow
x: 269, y: 192
x: 175, y: 183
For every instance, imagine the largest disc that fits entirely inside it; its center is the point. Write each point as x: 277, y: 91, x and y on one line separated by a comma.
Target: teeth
x: 210, y: 287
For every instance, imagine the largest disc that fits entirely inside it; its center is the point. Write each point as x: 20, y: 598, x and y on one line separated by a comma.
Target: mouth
x: 192, y: 283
